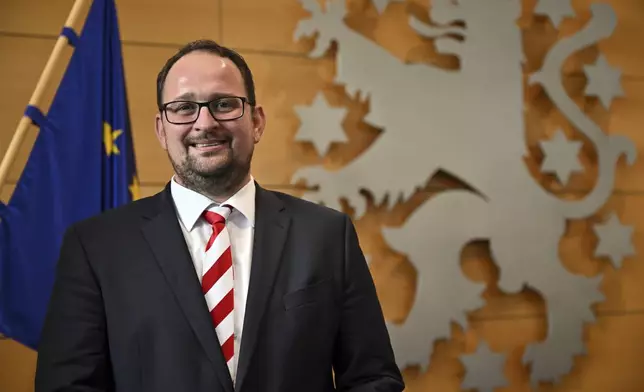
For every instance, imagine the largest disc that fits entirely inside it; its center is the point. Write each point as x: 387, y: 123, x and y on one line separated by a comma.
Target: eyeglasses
x: 221, y: 109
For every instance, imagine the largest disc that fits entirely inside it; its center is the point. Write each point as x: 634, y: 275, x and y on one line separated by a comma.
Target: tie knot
x: 217, y: 215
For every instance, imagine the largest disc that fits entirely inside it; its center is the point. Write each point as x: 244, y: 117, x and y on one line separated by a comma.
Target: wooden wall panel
x: 6, y: 192
x: 17, y: 367
x: 142, y: 64
x: 152, y: 21
x: 168, y: 21
x: 286, y: 77
x: 36, y: 17
x: 262, y: 25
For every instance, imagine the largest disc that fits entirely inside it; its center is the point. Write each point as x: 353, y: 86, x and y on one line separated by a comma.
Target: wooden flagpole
x: 45, y: 77
x: 23, y: 126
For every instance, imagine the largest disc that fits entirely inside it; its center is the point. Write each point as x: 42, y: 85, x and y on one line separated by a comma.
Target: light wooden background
x: 261, y: 30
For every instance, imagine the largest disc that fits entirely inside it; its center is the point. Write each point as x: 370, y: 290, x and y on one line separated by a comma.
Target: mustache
x: 208, y: 139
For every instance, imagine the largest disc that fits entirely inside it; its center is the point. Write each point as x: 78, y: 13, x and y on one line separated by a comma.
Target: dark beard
x: 222, y: 182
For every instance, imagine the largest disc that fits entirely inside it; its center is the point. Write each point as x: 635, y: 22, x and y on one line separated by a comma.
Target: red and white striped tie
x: 217, y: 282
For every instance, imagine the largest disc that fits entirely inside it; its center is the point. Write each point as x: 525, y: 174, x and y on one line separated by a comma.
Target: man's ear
x: 159, y: 130
x: 259, y: 123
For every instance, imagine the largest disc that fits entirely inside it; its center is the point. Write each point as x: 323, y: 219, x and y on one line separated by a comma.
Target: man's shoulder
x: 119, y: 218
x: 299, y: 207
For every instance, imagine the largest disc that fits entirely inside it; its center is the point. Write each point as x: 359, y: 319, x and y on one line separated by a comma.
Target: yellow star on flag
x: 135, y: 189
x: 109, y: 139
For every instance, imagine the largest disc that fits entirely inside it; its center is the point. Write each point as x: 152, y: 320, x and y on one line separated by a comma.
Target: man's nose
x: 205, y: 119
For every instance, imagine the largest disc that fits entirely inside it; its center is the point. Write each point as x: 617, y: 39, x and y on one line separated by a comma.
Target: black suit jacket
x: 127, y: 312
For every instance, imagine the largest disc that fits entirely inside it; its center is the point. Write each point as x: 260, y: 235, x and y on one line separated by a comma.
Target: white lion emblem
x: 439, y: 120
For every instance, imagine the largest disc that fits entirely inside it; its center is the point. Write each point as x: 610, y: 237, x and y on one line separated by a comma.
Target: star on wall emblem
x: 321, y: 124
x: 561, y: 157
x: 615, y: 240
x: 604, y: 81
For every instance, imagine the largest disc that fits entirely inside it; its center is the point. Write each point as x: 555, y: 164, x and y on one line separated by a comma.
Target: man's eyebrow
x: 190, y: 96
x: 185, y: 96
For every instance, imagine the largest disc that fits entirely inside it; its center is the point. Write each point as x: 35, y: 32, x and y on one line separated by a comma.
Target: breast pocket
x: 315, y: 294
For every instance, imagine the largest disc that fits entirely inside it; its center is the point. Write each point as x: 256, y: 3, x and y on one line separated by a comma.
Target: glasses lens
x: 228, y: 108
x: 182, y: 112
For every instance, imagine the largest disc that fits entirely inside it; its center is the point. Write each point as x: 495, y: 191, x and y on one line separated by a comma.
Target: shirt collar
x: 190, y: 204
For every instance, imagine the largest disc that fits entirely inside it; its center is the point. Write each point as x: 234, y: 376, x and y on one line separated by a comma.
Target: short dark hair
x: 211, y: 47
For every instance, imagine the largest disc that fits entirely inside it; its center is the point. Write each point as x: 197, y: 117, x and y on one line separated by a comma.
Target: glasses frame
x: 207, y: 105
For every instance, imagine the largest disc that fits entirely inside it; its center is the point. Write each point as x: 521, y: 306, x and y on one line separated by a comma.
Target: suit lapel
x: 163, y: 233
x: 271, y: 228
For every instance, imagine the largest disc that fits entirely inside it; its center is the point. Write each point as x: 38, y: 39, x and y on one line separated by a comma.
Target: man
x: 214, y: 284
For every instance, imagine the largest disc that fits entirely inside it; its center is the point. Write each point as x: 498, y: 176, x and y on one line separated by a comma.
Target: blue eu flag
x: 82, y: 163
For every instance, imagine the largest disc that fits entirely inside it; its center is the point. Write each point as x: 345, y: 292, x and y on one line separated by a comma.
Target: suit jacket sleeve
x: 72, y: 355
x: 363, y: 359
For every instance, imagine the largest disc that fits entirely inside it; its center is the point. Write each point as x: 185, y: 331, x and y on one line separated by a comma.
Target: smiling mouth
x: 209, y: 144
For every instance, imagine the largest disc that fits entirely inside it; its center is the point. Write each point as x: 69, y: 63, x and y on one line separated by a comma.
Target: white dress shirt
x: 240, y: 224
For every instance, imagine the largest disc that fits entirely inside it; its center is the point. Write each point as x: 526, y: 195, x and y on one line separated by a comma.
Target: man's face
x: 208, y: 151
